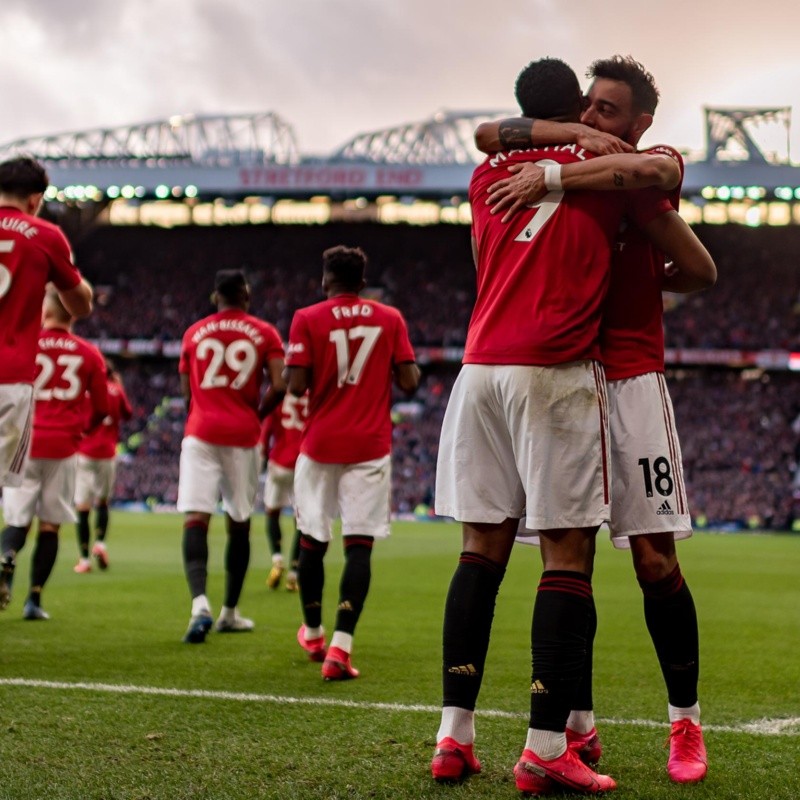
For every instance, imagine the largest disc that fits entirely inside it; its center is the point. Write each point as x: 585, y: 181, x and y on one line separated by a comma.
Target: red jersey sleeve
x: 300, y: 351
x: 63, y: 272
x: 98, y: 387
x: 647, y: 204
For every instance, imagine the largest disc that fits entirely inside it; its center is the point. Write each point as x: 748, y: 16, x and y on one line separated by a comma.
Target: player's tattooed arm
x: 526, y: 182
x: 519, y: 133
x: 513, y: 133
x: 516, y: 133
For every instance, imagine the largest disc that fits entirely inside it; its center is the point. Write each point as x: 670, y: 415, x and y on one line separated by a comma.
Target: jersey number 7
x: 544, y: 210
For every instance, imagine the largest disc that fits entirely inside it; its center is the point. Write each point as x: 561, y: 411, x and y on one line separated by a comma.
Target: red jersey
x: 225, y: 356
x: 282, y: 431
x: 102, y: 441
x: 33, y: 252
x: 632, y: 330
x: 351, y: 345
x: 542, y: 277
x: 68, y: 369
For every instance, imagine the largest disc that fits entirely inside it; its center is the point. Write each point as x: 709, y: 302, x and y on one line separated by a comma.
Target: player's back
x: 282, y: 431
x: 350, y: 344
x: 225, y: 356
x: 632, y: 330
x: 68, y: 368
x: 32, y: 252
x: 102, y: 441
x: 542, y: 277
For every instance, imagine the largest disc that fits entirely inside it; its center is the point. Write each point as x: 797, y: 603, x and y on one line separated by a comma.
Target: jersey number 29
x: 240, y: 356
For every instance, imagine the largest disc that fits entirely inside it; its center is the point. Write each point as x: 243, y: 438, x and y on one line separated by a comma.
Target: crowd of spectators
x: 755, y: 304
x: 154, y: 283
x: 739, y: 445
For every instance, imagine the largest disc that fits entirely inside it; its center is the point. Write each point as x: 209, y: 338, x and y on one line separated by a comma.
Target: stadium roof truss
x: 445, y: 138
x: 734, y: 133
x: 201, y: 140
x: 242, y: 155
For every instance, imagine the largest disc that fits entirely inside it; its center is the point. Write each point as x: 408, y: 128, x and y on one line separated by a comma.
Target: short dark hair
x: 549, y: 89
x: 628, y: 70
x: 23, y: 176
x: 346, y: 265
x: 231, y: 286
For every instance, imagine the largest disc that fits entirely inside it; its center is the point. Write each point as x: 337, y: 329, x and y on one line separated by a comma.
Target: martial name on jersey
x: 499, y: 159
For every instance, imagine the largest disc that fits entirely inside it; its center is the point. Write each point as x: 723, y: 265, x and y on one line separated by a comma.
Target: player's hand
x: 523, y: 188
x: 603, y: 144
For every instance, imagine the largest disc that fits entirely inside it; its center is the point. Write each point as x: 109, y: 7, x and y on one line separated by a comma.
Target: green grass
x: 124, y: 627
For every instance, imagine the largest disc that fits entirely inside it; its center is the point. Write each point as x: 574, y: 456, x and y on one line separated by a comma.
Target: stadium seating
x: 739, y: 430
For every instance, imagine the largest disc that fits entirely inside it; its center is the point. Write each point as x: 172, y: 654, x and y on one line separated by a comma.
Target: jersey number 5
x: 348, y: 372
x: 6, y: 246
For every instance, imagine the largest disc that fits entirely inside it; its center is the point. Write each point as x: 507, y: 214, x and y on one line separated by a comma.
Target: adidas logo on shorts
x: 665, y: 508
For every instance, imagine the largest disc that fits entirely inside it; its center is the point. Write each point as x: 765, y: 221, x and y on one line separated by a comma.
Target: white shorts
x: 208, y: 471
x: 47, y: 490
x: 526, y: 442
x: 16, y: 413
x: 94, y: 479
x: 648, y: 494
x: 278, y: 487
x: 358, y: 493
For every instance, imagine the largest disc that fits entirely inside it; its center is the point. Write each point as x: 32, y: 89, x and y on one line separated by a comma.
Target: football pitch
x: 104, y: 702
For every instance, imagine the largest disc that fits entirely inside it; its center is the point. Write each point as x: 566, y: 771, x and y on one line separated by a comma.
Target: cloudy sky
x: 335, y: 68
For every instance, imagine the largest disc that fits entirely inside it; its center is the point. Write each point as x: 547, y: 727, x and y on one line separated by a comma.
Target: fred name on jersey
x: 350, y: 311
x: 236, y: 325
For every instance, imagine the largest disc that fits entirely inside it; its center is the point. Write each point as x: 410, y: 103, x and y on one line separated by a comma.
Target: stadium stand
x: 740, y: 429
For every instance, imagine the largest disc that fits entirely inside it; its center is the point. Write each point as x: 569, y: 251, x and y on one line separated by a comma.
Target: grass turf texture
x: 124, y: 627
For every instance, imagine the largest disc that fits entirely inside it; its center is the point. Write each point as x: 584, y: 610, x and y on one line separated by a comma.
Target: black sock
x: 195, y: 556
x: 355, y: 581
x: 82, y: 527
x: 672, y: 622
x: 584, y: 700
x: 561, y: 618
x: 43, y: 560
x: 295, y: 550
x: 468, y: 616
x: 311, y: 577
x: 12, y: 540
x: 274, y: 537
x: 101, y: 522
x: 237, y: 559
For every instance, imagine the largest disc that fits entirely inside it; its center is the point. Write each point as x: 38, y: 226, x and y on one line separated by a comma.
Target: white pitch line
x: 764, y: 727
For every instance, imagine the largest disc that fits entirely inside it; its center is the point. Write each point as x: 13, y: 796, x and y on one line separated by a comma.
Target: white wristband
x: 552, y: 177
